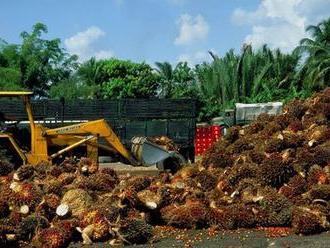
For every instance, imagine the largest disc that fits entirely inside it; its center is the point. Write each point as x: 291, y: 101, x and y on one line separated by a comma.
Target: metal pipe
x: 68, y: 148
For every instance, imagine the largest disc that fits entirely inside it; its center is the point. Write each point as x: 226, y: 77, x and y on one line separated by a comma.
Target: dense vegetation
x: 252, y: 75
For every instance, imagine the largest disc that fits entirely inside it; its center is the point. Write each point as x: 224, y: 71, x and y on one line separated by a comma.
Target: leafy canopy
x: 121, y: 78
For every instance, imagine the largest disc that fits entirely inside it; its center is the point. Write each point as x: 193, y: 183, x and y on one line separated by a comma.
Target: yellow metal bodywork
x: 69, y: 137
x: 15, y: 93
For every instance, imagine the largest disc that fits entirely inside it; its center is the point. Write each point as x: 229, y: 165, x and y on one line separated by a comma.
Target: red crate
x: 206, y: 137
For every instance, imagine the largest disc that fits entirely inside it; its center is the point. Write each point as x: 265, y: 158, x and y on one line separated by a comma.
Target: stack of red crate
x: 205, y: 137
x: 216, y: 133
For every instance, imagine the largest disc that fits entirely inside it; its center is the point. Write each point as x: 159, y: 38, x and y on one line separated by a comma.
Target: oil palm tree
x: 166, y: 73
x: 90, y: 72
x: 316, y: 71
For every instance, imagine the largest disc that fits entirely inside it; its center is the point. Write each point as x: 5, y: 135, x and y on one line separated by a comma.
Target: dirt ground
x: 123, y: 169
x: 243, y: 238
x: 231, y: 239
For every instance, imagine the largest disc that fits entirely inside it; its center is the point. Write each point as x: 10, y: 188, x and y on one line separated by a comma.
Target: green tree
x: 166, y: 73
x: 125, y: 79
x: 43, y: 62
x: 10, y: 79
x: 251, y: 76
x: 10, y: 56
x: 185, y: 83
x: 90, y: 72
x: 71, y: 89
x: 315, y: 74
x: 10, y: 75
x: 179, y: 82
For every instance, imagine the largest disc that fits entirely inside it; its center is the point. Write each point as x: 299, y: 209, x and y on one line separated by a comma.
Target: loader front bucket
x: 147, y: 152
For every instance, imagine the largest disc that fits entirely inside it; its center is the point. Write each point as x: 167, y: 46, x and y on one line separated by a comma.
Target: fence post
x: 62, y: 100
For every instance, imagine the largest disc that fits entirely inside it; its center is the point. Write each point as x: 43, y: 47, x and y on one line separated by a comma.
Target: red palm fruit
x: 295, y: 126
x: 23, y: 173
x: 29, y: 225
x: 68, y: 227
x: 27, y: 194
x: 52, y: 201
x: 110, y: 172
x: 221, y: 219
x: 242, y: 214
x: 130, y: 198
x: 136, y: 231
x: 307, y: 222
x: 275, y: 172
x: 255, y: 127
x: 321, y: 155
x: 295, y: 187
x: 69, y: 165
x: 206, y: 180
x: 278, y: 208
x: 216, y: 158
x: 139, y: 183
x: 239, y: 172
x: 55, y: 171
x: 88, y: 166
x: 190, y: 215
x: 14, y: 218
x: 51, y: 237
x: 66, y: 178
x: 42, y: 169
x: 188, y: 171
x: 282, y: 121
x: 4, y: 208
x: 103, y: 182
x: 53, y: 186
x: 216, y: 198
x: 316, y: 175
x: 98, y: 223
x: 256, y: 157
x: 319, y: 191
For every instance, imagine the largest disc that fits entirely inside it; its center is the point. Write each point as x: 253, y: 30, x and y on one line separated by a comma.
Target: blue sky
x: 163, y: 30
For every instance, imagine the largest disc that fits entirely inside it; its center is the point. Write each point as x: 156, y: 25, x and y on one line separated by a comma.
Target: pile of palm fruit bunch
x: 164, y: 142
x: 48, y: 205
x: 273, y: 173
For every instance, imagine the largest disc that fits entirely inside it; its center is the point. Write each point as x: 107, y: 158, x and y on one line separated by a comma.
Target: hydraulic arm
x: 70, y: 137
x: 96, y: 129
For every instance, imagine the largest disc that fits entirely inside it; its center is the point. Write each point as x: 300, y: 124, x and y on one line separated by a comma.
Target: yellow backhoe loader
x: 83, y: 134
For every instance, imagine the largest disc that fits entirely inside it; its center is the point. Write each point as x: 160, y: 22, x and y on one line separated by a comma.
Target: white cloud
x: 279, y: 23
x: 81, y: 44
x: 191, y: 29
x: 194, y: 58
